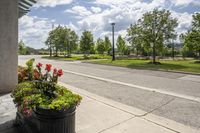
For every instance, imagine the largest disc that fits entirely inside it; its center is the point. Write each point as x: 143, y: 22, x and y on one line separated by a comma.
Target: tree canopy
x: 86, y: 42
x: 121, y: 45
x: 192, y: 37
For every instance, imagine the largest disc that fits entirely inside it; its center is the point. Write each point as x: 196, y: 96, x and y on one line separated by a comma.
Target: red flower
x: 27, y: 112
x: 60, y: 72
x: 39, y: 65
x: 48, y: 67
x: 54, y: 72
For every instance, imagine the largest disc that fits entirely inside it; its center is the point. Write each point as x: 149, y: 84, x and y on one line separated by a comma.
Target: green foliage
x: 22, y: 50
x: 86, y: 43
x: 27, y: 96
x: 63, y: 39
x: 100, y: 46
x: 121, y: 45
x: 192, y: 38
x: 22, y: 74
x: 166, y: 65
x: 26, y: 73
x: 107, y: 45
x: 23, y: 90
x: 79, y: 57
x: 41, y: 90
x: 29, y: 64
x: 152, y: 31
x: 127, y: 50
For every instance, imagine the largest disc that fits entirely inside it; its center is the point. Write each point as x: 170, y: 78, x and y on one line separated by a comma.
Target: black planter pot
x: 52, y: 121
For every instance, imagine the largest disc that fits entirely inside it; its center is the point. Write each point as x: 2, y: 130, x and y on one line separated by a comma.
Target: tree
x: 192, y: 37
x: 100, y: 46
x: 22, y: 48
x: 121, y: 45
x: 64, y: 39
x: 54, y: 39
x: 70, y: 41
x: 135, y: 38
x: 107, y: 44
x: 86, y: 43
x: 157, y: 27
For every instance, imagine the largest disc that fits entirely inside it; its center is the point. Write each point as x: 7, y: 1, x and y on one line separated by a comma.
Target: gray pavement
x: 181, y: 109
x: 97, y: 114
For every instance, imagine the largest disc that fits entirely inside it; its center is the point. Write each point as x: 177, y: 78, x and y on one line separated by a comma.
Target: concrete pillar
x: 8, y: 44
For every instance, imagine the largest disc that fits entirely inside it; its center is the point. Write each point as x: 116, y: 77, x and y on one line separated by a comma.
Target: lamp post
x: 113, y: 41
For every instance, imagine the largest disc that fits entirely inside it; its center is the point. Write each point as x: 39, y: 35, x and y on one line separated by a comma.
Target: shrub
x: 40, y: 90
x: 27, y: 97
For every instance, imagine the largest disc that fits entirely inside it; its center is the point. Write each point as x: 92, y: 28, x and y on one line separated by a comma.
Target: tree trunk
x: 56, y: 52
x: 50, y: 51
x: 173, y: 51
x: 154, y: 54
x: 69, y: 53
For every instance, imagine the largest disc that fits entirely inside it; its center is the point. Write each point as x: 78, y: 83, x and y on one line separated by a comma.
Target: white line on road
x: 197, y: 99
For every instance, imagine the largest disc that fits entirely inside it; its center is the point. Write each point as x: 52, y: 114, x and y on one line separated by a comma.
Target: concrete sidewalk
x: 101, y: 115
x: 96, y: 114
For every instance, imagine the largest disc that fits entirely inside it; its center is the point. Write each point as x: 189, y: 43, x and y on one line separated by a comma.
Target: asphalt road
x: 174, y: 96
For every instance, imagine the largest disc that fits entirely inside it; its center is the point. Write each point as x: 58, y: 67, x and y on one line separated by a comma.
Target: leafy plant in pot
x: 52, y: 105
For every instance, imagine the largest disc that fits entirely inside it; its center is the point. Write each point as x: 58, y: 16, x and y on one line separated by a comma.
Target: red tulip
x: 48, y: 67
x: 39, y: 65
x: 60, y: 72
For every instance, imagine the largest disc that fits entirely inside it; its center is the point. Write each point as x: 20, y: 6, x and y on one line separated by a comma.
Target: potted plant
x: 44, y: 104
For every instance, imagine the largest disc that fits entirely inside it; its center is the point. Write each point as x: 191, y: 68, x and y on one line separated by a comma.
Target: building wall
x: 8, y: 44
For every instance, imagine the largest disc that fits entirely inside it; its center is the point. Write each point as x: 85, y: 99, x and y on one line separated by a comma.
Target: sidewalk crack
x: 157, y: 107
x: 116, y: 124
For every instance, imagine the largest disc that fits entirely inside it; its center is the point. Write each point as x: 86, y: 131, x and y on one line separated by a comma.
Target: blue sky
x: 95, y: 15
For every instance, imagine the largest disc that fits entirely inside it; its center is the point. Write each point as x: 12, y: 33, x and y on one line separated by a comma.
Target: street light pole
x: 113, y: 41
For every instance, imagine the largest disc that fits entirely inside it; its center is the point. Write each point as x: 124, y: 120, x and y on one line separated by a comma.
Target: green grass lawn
x: 75, y: 57
x: 166, y: 65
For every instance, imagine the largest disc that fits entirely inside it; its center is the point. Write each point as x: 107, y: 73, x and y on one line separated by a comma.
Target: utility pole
x: 113, y: 41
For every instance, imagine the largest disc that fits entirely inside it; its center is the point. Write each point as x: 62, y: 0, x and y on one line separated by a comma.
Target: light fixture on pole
x: 113, y: 41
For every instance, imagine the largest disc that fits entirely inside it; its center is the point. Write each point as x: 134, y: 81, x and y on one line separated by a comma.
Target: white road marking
x: 192, y: 98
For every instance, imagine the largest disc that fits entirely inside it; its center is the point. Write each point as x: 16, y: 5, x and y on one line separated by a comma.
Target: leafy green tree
x: 86, y: 43
x: 107, y: 44
x: 192, y: 37
x: 157, y: 27
x: 121, y: 45
x: 127, y: 50
x: 55, y: 40
x: 22, y: 48
x: 70, y: 41
x: 100, y: 46
x: 135, y: 38
x: 63, y: 39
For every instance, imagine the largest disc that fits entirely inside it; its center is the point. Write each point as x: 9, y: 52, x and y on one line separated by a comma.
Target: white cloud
x: 34, y: 31
x: 122, y: 12
x: 96, y: 9
x: 184, y: 20
x: 185, y: 2
x: 52, y: 3
x: 79, y: 10
x: 125, y: 12
x: 98, y: 16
